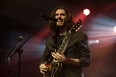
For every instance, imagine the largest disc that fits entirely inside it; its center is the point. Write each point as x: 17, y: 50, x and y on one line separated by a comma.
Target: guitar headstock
x: 76, y: 26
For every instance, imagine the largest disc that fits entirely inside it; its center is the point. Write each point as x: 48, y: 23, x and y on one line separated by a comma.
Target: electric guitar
x: 53, y: 66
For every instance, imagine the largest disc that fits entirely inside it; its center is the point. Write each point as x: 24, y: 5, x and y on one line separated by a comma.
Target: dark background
x: 22, y: 18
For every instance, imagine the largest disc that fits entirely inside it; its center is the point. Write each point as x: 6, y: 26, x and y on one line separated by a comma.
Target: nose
x: 59, y: 15
x: 59, y: 18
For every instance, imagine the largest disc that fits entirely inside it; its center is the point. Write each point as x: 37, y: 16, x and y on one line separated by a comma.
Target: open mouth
x: 61, y: 20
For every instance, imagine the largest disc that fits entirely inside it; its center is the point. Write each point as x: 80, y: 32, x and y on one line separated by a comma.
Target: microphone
x: 48, y: 18
x: 20, y: 38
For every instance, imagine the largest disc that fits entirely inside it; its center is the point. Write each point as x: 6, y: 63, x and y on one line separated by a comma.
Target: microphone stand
x: 19, y: 50
x: 7, y: 61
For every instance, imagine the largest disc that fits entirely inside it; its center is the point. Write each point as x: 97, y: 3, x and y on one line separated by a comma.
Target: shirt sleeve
x: 85, y: 58
x: 49, y: 47
x: 79, y: 49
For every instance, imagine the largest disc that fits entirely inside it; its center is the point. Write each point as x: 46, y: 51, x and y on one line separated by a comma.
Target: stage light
x: 93, y: 41
x: 115, y: 29
x: 86, y: 12
x: 97, y: 41
x: 102, y: 28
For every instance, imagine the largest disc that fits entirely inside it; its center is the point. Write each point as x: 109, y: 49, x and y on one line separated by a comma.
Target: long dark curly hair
x: 68, y: 21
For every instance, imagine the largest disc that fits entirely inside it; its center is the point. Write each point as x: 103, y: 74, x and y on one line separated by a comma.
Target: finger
x: 43, y: 69
x: 53, y: 54
x: 56, y: 56
x: 43, y: 72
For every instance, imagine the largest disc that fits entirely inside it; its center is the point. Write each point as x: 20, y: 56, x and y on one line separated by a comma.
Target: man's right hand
x: 43, y: 68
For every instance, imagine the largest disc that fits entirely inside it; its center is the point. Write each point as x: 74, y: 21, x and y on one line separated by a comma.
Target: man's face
x: 61, y: 16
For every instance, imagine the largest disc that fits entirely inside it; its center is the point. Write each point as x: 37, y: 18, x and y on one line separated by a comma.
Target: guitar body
x: 53, y: 69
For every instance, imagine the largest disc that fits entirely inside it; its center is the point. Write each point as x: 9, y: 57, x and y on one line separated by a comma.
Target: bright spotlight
x: 93, y: 41
x: 115, y: 29
x: 97, y: 41
x: 86, y: 12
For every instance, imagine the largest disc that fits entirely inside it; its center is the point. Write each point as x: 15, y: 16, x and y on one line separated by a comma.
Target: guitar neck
x: 64, y: 43
x: 67, y: 37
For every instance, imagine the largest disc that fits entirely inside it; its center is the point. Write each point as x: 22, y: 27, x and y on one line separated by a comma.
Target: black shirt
x: 77, y: 48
